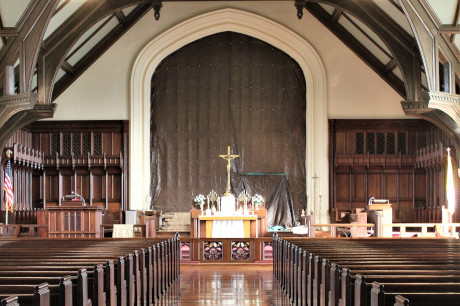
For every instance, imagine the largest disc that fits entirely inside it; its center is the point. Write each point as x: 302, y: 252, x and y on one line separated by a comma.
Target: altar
x: 227, y: 216
x: 228, y: 226
x: 237, y: 226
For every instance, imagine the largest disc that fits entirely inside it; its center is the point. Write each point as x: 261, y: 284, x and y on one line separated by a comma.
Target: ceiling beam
x: 8, y: 32
x: 402, y: 46
x: 359, y: 49
x: 391, y: 65
x: 121, y: 17
x: 61, y: 7
x: 31, y: 28
x: 4, y: 41
x: 456, y: 20
x: 75, y: 50
x: 62, y: 40
x: 449, y: 29
x: 67, y: 67
x: 336, y: 15
x: 99, y: 49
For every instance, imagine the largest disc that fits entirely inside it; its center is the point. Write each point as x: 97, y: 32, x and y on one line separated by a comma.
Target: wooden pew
x: 137, y: 270
x: 321, y: 278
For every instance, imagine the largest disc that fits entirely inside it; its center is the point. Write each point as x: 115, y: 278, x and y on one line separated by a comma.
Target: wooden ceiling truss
x: 434, y: 41
x: 46, y: 58
x: 23, y: 42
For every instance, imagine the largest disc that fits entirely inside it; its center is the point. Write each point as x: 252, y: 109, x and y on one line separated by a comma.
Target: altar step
x: 175, y: 222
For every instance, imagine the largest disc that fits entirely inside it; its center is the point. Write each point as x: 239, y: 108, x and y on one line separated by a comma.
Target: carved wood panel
x: 88, y: 157
x: 390, y: 159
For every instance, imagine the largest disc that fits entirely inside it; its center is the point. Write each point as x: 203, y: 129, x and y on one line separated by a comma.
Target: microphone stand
x: 80, y: 197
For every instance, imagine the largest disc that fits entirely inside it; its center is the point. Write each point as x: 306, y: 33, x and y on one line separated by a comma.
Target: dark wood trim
x: 447, y: 29
x: 8, y: 32
x: 374, y: 124
x: 357, y: 47
x: 67, y: 67
x: 121, y: 17
x: 456, y: 20
x: 401, y: 44
x: 102, y: 46
x: 73, y: 126
x: 367, y: 35
x: 22, y: 118
x: 31, y: 28
x: 4, y: 40
x: 69, y: 55
x: 392, y: 64
x: 62, y: 40
x: 336, y: 15
x: 61, y: 7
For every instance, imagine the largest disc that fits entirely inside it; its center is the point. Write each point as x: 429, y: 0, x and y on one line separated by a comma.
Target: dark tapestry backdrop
x: 229, y: 89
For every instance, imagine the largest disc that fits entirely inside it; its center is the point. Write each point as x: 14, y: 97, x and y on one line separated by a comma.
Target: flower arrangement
x: 199, y: 200
x: 257, y: 199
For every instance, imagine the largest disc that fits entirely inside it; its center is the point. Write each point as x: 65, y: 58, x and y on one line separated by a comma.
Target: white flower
x: 257, y: 198
x: 199, y: 199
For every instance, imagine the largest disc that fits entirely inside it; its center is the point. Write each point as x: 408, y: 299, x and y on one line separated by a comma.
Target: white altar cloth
x: 227, y: 229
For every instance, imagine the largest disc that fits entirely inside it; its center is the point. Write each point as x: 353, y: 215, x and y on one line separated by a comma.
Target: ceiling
x: 351, y: 30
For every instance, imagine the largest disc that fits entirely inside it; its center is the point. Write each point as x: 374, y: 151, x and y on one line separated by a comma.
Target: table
x: 198, y: 227
x: 228, y: 226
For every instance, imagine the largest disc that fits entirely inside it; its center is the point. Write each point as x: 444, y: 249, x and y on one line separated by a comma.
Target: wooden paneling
x: 405, y: 186
x: 390, y: 185
x: 413, y: 178
x: 359, y: 187
x: 98, y: 179
x: 343, y: 187
x: 374, y: 185
x: 99, y: 187
x: 45, y: 144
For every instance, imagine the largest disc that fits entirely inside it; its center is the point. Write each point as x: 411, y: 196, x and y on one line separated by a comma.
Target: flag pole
x: 450, y: 190
x: 8, y: 155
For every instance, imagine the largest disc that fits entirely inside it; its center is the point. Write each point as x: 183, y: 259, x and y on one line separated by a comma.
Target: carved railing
x: 27, y: 157
x: 368, y: 160
x: 431, y: 155
x: 84, y: 161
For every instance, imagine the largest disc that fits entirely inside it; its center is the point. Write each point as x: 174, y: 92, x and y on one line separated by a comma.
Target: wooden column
x: 91, y: 183
x: 44, y: 188
x: 8, y: 85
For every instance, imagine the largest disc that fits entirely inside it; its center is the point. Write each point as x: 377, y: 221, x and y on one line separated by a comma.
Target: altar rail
x: 437, y: 229
x: 227, y: 250
x: 333, y: 227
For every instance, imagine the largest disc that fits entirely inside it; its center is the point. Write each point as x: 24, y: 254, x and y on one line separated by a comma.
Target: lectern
x: 71, y: 220
x: 384, y: 215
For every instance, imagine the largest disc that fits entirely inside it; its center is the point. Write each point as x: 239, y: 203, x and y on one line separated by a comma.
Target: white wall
x: 353, y: 89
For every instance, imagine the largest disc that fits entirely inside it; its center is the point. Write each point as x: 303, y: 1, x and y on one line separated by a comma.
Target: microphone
x: 79, y: 196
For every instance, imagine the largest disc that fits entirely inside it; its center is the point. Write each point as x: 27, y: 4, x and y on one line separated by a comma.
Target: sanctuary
x: 228, y: 216
x: 338, y: 122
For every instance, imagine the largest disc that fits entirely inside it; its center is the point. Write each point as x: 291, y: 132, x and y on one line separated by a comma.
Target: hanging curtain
x: 228, y: 89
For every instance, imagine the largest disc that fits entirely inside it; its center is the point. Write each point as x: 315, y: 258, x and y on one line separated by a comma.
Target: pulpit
x: 71, y: 221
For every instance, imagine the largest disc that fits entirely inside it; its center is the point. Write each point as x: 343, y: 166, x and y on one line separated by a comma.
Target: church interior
x: 263, y: 152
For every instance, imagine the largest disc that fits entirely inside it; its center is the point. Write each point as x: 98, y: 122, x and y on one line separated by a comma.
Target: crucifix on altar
x: 229, y: 157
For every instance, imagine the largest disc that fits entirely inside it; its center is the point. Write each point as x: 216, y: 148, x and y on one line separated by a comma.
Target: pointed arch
x: 211, y: 23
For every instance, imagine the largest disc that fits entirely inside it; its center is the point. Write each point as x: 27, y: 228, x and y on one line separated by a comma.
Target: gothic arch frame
x: 228, y: 19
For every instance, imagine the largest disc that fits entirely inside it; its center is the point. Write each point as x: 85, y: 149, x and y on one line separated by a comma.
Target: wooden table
x: 198, y: 227
x: 249, y: 221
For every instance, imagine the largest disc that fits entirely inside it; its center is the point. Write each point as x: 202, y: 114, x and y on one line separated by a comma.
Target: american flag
x: 8, y: 186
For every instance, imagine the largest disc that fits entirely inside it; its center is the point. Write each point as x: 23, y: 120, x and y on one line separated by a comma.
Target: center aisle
x: 225, y: 284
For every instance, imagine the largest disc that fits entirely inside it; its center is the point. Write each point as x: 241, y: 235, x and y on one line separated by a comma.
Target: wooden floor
x: 225, y: 284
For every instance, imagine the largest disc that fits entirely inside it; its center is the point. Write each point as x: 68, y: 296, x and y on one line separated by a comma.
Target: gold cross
x: 228, y: 158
